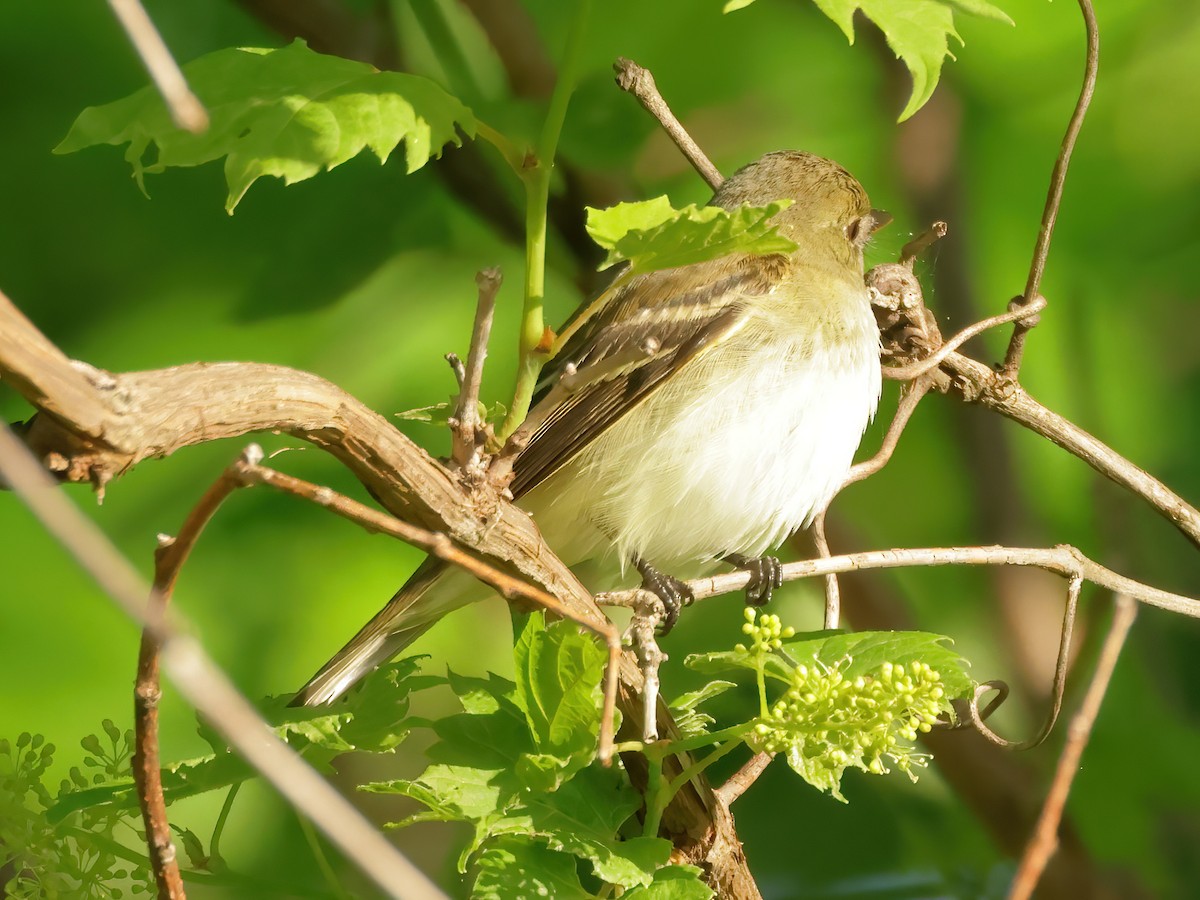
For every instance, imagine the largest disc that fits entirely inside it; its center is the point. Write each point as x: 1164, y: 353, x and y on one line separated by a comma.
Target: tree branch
x: 206, y: 687
x: 1044, y: 840
x: 1058, y: 178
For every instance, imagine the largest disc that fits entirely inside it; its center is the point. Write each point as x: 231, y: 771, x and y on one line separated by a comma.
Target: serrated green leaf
x: 583, y: 818
x: 916, y: 30
x: 867, y: 651
x: 288, y: 113
x: 720, y: 661
x: 514, y: 868
x: 558, y: 674
x: 372, y: 719
x: 673, y: 883
x: 654, y: 235
x: 690, y: 721
x: 692, y: 699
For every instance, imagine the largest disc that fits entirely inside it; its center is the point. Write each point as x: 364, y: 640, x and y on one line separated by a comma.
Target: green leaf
x: 518, y: 868
x: 654, y: 235
x: 288, y: 113
x: 558, y: 673
x: 916, y: 30
x: 689, y: 720
x: 673, y: 883
x: 583, y: 818
x: 869, y: 650
x: 372, y: 719
x: 722, y: 661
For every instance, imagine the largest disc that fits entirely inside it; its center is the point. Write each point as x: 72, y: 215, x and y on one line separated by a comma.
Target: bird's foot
x: 766, y: 574
x: 674, y: 593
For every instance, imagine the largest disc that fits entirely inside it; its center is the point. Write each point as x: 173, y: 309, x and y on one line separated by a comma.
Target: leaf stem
x: 318, y: 852
x: 697, y: 767
x: 536, y: 170
x: 654, y: 799
x: 214, y: 843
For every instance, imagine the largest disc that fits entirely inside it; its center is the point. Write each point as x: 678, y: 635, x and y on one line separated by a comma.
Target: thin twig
x: 904, y: 410
x: 931, y: 235
x: 1016, y: 346
x: 833, y: 594
x: 206, y: 687
x: 740, y: 781
x: 1063, y: 560
x: 1044, y: 840
x: 638, y: 81
x: 467, y: 432
x: 920, y: 367
x: 648, y: 613
x: 169, y: 557
x: 186, y: 109
x: 443, y: 548
x: 977, y: 719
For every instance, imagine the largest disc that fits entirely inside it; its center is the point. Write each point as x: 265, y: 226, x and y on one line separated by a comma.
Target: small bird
x: 717, y: 410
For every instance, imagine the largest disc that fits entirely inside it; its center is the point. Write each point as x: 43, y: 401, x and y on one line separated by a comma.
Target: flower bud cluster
x: 765, y: 631
x: 827, y: 722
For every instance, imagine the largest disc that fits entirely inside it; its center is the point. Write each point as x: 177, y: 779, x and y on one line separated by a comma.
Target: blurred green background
x: 365, y: 277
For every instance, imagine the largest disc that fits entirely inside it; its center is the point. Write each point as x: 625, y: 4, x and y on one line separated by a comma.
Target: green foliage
x: 916, y: 30
x: 77, y: 857
x: 289, y: 113
x: 517, y: 764
x: 851, y: 699
x: 372, y: 720
x: 652, y: 234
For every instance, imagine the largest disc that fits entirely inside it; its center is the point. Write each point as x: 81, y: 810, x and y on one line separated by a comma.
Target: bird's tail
x: 430, y: 593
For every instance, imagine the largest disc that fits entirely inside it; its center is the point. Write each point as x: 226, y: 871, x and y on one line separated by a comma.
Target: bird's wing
x: 626, y: 343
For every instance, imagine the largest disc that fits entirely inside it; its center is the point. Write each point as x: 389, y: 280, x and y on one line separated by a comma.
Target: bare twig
x: 249, y: 472
x: 467, y: 430
x: 638, y: 81
x: 169, y: 558
x: 186, y: 110
x: 833, y: 594
x: 740, y: 781
x: 907, y: 406
x: 648, y: 613
x: 929, y: 363
x: 1063, y: 560
x: 975, y: 382
x: 1016, y: 346
x: 978, y: 719
x: 927, y: 238
x: 207, y: 688
x: 1044, y: 839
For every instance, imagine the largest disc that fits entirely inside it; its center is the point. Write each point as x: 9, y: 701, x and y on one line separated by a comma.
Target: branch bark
x: 94, y: 425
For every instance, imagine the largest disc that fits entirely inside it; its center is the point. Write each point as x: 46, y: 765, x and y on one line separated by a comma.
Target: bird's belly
x: 704, y: 467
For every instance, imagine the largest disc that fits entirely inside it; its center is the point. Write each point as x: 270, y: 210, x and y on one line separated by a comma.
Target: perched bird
x: 717, y: 409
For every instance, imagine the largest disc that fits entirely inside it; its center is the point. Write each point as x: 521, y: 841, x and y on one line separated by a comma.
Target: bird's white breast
x: 711, y: 463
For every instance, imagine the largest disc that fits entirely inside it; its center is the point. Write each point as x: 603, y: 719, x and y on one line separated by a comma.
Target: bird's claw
x: 766, y: 574
x: 673, y: 593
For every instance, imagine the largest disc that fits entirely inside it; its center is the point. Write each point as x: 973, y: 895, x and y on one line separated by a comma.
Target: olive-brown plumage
x: 717, y: 409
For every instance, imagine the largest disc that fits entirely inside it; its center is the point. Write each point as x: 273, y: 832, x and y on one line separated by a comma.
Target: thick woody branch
x: 207, y: 688
x: 93, y: 426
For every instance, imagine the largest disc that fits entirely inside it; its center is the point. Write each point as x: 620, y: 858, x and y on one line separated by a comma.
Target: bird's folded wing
x: 627, y: 343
